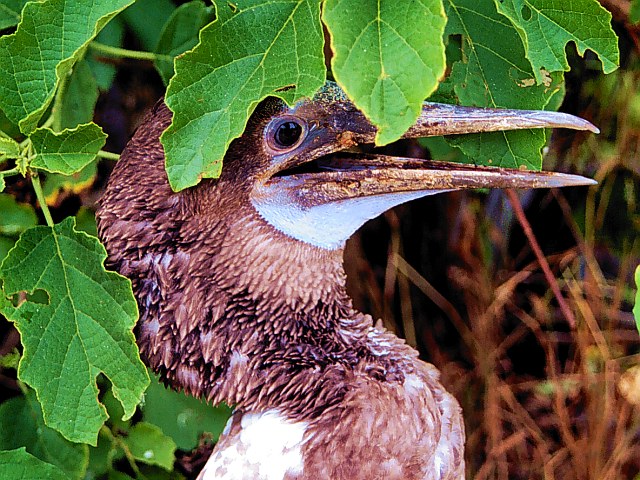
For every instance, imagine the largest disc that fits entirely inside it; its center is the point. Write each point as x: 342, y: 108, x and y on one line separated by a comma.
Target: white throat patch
x: 329, y: 225
x: 267, y: 447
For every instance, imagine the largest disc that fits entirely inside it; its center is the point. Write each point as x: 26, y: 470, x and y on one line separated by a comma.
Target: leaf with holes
x: 494, y: 72
x: 218, y: 84
x: 388, y: 57
x: 69, y: 151
x: 84, y: 329
x: 48, y: 41
x: 546, y: 26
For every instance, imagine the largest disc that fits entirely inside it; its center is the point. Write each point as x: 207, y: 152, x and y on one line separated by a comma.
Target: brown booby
x: 242, y: 293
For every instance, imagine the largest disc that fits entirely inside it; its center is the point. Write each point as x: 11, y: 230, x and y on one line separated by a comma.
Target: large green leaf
x: 180, y: 33
x: 546, y: 26
x: 255, y: 48
x: 69, y: 151
x: 388, y: 57
x: 22, y: 425
x: 50, y: 38
x: 85, y: 328
x: 494, y: 72
x: 20, y: 465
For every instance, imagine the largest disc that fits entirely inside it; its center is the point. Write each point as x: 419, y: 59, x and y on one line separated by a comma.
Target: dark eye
x: 286, y: 134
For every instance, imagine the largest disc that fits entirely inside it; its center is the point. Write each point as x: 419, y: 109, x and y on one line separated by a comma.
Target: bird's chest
x: 260, y: 446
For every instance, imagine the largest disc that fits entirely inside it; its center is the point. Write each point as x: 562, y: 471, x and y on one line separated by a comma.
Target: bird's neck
x: 252, y: 319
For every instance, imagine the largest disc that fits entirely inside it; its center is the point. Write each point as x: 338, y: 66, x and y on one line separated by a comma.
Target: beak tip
x: 568, y: 180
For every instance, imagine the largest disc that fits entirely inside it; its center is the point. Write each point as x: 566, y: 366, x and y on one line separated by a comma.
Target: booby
x: 242, y: 296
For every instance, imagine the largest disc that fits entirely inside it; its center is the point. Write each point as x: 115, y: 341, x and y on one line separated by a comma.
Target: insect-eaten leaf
x: 388, y: 57
x: 546, y: 26
x: 69, y: 151
x: 86, y: 328
x: 218, y: 84
x: 493, y: 72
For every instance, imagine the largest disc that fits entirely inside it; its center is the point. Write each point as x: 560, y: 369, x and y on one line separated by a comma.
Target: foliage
x: 81, y: 373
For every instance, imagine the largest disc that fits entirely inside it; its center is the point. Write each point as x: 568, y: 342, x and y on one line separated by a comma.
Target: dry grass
x: 542, y: 400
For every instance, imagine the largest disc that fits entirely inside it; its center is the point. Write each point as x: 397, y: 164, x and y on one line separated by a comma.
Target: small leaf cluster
x: 80, y: 372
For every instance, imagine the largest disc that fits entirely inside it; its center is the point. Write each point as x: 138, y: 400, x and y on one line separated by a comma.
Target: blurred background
x: 549, y: 389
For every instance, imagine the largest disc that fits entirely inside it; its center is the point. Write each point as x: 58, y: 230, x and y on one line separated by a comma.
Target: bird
x: 242, y: 292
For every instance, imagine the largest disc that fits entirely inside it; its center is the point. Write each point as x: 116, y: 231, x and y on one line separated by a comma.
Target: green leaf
x: 180, y: 33
x: 48, y: 41
x: 85, y: 329
x: 6, y: 244
x: 101, y: 456
x: 16, y: 217
x: 546, y: 26
x: 20, y: 465
x: 219, y: 83
x: 9, y: 147
x: 80, y: 97
x: 69, y: 151
x: 149, y: 445
x: 146, y: 18
x: 636, y: 308
x: 634, y: 14
x: 388, y: 57
x: 494, y: 72
x: 104, y: 71
x: 22, y: 425
x: 182, y: 417
x: 2, y: 184
x: 55, y: 184
x: 10, y: 12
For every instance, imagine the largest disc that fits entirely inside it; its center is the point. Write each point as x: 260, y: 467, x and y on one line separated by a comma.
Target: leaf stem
x: 8, y: 173
x: 37, y: 186
x: 125, y: 53
x: 108, y: 155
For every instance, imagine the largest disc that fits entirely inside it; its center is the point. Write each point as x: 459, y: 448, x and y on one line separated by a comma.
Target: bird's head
x: 250, y: 263
x: 306, y: 180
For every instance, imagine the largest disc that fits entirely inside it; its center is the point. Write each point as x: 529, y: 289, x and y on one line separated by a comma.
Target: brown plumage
x: 236, y: 308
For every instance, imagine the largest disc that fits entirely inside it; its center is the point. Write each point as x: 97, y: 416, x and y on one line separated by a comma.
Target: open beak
x: 340, y: 175
x: 322, y: 191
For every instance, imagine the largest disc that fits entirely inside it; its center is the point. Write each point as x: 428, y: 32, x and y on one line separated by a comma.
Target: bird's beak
x: 341, y: 175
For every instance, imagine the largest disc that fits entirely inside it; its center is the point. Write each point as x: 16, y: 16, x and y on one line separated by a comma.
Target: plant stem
x: 542, y: 260
x: 8, y: 173
x: 108, y: 155
x: 124, y: 53
x: 35, y: 181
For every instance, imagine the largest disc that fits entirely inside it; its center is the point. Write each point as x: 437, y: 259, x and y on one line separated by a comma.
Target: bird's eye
x: 285, y: 133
